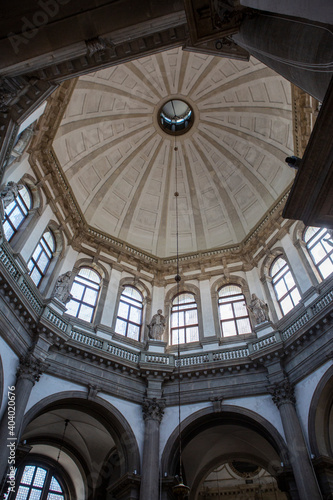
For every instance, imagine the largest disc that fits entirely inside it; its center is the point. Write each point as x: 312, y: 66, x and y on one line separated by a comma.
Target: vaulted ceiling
x: 230, y: 165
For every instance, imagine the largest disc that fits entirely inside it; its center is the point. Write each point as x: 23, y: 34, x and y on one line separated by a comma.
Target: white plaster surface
x: 296, y: 264
x: 132, y: 413
x: 304, y: 392
x: 111, y: 296
x: 36, y: 233
x: 263, y: 406
x: 9, y: 365
x: 170, y: 420
x: 49, y: 385
x: 207, y: 309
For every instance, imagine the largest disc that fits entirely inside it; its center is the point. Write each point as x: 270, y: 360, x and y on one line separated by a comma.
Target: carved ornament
x: 153, y: 409
x: 282, y: 393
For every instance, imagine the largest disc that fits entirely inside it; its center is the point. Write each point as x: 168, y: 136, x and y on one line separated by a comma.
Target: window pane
x: 43, y: 262
x: 318, y: 253
x: 55, y: 486
x: 326, y: 268
x: 22, y: 493
x: 133, y: 331
x: 295, y: 296
x: 191, y: 317
x: 132, y: 292
x: 77, y: 291
x: 39, y: 477
x: 54, y: 496
x: 72, y: 307
x: 177, y: 319
x: 8, y: 230
x: 192, y: 334
x: 240, y: 309
x: 280, y: 289
x: 86, y: 313
x: 278, y: 264
x: 286, y: 304
x: 36, y: 276
x: 135, y: 315
x: 37, y: 252
x: 90, y: 274
x: 27, y: 474
x: 48, y: 237
x: 226, y: 311
x: 243, y: 326
x: 181, y: 333
x: 123, y: 311
x: 16, y: 217
x: 229, y: 290
x: 289, y: 280
x: 121, y: 326
x: 90, y: 296
x: 228, y: 328
x: 35, y: 494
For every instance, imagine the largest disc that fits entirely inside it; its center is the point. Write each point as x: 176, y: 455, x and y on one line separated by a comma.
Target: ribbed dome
x: 231, y: 170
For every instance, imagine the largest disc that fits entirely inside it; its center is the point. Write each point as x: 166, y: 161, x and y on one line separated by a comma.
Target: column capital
x: 29, y: 368
x: 282, y: 393
x: 153, y: 409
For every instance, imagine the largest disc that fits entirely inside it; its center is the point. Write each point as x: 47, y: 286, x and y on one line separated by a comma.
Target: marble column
x: 28, y: 373
x: 284, y: 398
x: 153, y: 410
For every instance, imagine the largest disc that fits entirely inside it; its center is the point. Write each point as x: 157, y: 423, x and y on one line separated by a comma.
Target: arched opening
x: 88, y: 439
x: 212, y: 439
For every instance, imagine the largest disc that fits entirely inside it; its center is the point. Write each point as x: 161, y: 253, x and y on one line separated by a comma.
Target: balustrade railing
x: 27, y: 288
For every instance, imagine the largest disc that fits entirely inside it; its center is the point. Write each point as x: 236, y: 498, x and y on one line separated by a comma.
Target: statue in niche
x: 62, y: 288
x: 9, y: 192
x: 259, y: 309
x: 156, y: 326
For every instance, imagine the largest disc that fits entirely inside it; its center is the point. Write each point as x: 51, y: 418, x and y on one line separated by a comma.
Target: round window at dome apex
x: 176, y: 117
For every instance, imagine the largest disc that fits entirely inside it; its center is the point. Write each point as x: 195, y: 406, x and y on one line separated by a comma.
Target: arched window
x: 129, y: 317
x: 84, y: 291
x: 233, y: 313
x: 37, y: 483
x: 16, y: 212
x: 284, y: 285
x: 42, y: 256
x: 319, y: 243
x: 184, y: 327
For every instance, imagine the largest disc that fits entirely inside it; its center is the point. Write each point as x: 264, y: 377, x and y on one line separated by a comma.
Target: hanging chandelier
x: 180, y: 490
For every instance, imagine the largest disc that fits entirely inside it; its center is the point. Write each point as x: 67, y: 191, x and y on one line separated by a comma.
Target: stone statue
x: 9, y: 192
x: 259, y: 309
x: 156, y: 326
x: 62, y: 288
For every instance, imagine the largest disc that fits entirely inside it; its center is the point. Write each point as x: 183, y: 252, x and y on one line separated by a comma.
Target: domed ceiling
x: 230, y: 164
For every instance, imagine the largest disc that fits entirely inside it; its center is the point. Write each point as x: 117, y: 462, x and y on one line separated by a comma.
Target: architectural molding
x: 153, y: 409
x: 282, y: 393
x: 30, y: 368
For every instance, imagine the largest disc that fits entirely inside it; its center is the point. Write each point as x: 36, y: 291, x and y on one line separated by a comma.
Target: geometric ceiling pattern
x: 230, y: 165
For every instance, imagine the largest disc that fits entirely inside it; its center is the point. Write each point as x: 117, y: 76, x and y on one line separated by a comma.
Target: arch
x: 134, y: 282
x: 103, y: 272
x: 320, y: 412
x: 52, y: 468
x: 183, y: 287
x: 97, y: 266
x: 126, y: 447
x: 209, y: 419
x: 219, y: 461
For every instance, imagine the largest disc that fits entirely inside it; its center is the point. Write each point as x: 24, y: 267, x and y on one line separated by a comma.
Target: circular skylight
x: 176, y: 116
